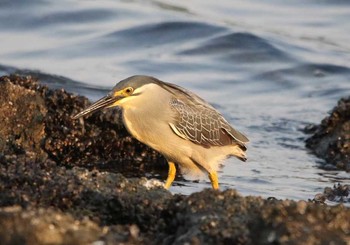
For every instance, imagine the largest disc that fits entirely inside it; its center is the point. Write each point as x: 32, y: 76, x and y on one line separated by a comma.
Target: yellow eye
x: 129, y: 90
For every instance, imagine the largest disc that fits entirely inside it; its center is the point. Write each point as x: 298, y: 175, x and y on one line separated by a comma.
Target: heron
x: 181, y: 126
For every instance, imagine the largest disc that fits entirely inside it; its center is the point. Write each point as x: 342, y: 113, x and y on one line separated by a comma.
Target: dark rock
x: 102, y: 196
x: 50, y: 226
x: 127, y: 210
x: 109, y: 201
x: 212, y: 217
x: 47, y: 226
x: 37, y: 119
x: 331, y: 139
x: 338, y: 194
x: 22, y: 115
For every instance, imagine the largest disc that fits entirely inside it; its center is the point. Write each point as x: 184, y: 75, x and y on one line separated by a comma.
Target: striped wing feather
x: 203, y: 125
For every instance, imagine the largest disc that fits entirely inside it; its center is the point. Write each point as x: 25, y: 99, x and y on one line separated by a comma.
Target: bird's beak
x: 104, y: 102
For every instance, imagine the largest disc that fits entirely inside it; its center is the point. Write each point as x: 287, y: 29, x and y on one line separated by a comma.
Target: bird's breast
x: 150, y: 128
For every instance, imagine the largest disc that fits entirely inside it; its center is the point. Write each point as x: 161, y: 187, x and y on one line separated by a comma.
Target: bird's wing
x: 202, y: 124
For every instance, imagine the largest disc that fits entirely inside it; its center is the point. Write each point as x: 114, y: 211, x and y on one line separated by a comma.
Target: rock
x: 338, y: 194
x: 44, y: 226
x: 211, y: 217
x: 22, y: 114
x: 50, y: 226
x: 38, y: 120
x: 102, y: 196
x: 124, y: 210
x: 331, y: 139
x: 128, y: 210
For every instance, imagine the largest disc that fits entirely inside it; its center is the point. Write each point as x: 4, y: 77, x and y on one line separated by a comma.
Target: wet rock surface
x: 56, y: 188
x: 338, y: 194
x: 331, y: 139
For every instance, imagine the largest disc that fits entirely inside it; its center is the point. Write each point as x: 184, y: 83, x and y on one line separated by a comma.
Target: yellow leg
x: 171, y: 175
x: 213, y: 176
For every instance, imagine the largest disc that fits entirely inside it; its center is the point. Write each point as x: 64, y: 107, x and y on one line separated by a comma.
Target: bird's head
x: 122, y: 94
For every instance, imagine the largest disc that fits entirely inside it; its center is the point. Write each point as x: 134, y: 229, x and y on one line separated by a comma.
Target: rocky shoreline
x: 63, y: 182
x: 331, y: 139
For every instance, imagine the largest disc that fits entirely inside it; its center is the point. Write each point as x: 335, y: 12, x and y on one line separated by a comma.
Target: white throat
x: 142, y: 97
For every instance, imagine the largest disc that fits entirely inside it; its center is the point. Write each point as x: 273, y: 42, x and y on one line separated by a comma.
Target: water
x: 271, y: 68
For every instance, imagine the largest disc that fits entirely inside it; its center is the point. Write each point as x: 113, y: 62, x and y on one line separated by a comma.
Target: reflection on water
x: 270, y: 68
